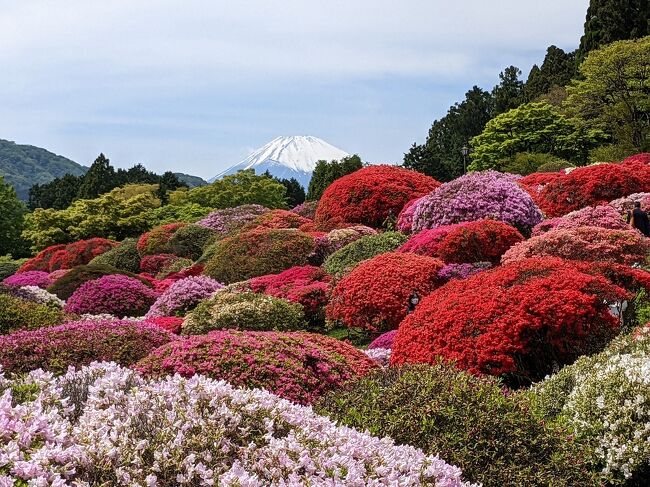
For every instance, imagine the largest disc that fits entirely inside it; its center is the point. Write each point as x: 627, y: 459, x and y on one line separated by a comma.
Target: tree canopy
x: 326, y: 173
x: 12, y: 212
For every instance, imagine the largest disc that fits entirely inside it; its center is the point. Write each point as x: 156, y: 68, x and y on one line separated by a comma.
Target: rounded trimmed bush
x: 467, y: 242
x: 124, y: 257
x: 230, y: 220
x: 462, y: 271
x: 258, y: 252
x: 640, y: 158
x: 67, y: 256
x: 306, y: 209
x: 244, y: 311
x: 375, y: 295
x: 80, y: 343
x: 33, y: 294
x: 477, y: 196
x: 518, y: 321
x: 466, y: 420
x: 371, y: 195
x: 153, y: 264
x: 117, y: 295
x: 277, y: 219
x: 604, y: 216
x: 385, y: 340
x: 66, y: 285
x: 29, y: 278
x: 405, y: 217
x: 19, y: 314
x: 169, y: 323
x: 190, y: 241
x: 626, y: 203
x: 9, y: 267
x: 338, y: 238
x: 156, y: 240
x: 345, y: 259
x: 297, y: 366
x: 183, y: 296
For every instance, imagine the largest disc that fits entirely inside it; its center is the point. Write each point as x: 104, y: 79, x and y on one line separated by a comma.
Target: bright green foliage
x: 16, y: 314
x: 611, y: 153
x: 467, y: 420
x: 244, y: 311
x: 242, y: 188
x: 189, y: 213
x: 533, y: 127
x: 326, y: 173
x: 525, y: 163
x: 345, y: 259
x: 613, y: 93
x: 12, y: 212
x: 124, y: 257
x: 555, y: 166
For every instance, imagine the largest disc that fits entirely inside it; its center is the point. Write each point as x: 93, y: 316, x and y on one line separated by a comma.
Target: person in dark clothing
x: 637, y: 218
x: 414, y: 299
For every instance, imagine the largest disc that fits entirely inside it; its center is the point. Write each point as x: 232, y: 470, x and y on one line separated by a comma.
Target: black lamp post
x: 465, y: 152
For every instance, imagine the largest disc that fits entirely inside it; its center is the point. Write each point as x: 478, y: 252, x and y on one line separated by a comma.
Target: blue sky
x: 194, y: 86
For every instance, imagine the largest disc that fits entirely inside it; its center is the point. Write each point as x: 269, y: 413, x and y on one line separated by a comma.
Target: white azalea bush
x: 605, y: 400
x: 106, y: 425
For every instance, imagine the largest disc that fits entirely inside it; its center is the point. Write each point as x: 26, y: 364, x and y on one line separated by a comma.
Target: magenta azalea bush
x: 120, y: 429
x: 30, y: 278
x: 80, y: 343
x: 232, y: 219
x: 115, y: 294
x: 183, y: 296
x: 476, y: 196
x: 385, y: 340
x: 603, y: 216
x: 405, y: 217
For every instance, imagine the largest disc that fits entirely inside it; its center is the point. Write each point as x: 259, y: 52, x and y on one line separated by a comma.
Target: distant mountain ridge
x: 288, y: 157
x: 25, y: 165
x: 191, y: 181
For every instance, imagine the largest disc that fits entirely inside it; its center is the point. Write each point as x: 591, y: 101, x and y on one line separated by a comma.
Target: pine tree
x: 557, y: 70
x: 99, y: 179
x: 508, y: 93
x: 11, y: 221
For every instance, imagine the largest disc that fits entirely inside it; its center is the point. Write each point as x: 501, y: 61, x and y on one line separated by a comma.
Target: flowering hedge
x: 372, y: 194
x: 21, y: 314
x: 29, y: 278
x: 462, y: 271
x: 68, y: 256
x: 535, y: 182
x: 385, y: 340
x: 124, y: 257
x: 114, y: 294
x: 80, y: 343
x: 592, y: 186
x: 375, y: 295
x: 338, y: 238
x: 306, y: 209
x: 156, y: 240
x: 405, y: 217
x: 258, y: 252
x: 244, y: 311
x: 626, y: 203
x: 169, y: 323
x: 34, y: 294
x: 190, y: 241
x: 641, y: 158
x: 277, y: 219
x: 345, y: 259
x: 586, y: 244
x: 298, y: 366
x: 153, y: 264
x: 477, y: 196
x: 196, y: 431
x: 230, y: 220
x: 518, y: 321
x: 604, y: 216
x: 467, y: 242
x: 307, y: 285
x: 66, y: 285
x: 183, y: 296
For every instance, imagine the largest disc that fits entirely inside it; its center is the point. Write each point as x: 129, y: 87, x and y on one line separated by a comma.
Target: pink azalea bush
x: 379, y: 355
x: 306, y: 209
x: 338, y: 238
x: 120, y: 429
x: 183, y: 296
x: 626, y: 203
x: 80, y: 343
x: 385, y: 340
x: 230, y: 220
x: 603, y: 216
x: 298, y: 366
x: 30, y: 278
x: 114, y: 294
x: 405, y: 217
x: 476, y: 196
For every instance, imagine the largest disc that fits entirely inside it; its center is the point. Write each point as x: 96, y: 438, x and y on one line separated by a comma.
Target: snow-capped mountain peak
x: 287, y: 157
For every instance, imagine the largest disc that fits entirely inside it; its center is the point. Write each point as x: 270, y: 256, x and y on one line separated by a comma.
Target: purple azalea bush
x: 114, y: 294
x: 476, y: 196
x: 462, y: 271
x: 183, y: 296
x: 231, y: 219
x: 30, y: 278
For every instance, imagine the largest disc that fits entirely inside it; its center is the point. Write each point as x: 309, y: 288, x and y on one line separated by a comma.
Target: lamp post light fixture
x: 465, y: 152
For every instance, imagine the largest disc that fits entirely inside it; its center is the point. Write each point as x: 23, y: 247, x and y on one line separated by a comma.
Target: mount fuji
x: 288, y: 157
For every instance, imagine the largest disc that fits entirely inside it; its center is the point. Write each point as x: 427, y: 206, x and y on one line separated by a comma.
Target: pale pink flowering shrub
x: 106, y: 425
x: 405, y: 217
x: 379, y: 355
x: 306, y: 209
x: 232, y: 219
x: 603, y: 216
x: 183, y: 296
x: 338, y: 238
x: 30, y: 278
x: 626, y: 203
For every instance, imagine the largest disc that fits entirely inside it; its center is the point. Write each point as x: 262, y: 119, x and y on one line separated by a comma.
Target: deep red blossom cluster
x: 371, y: 195
x: 153, y: 264
x: 467, y: 242
x: 67, y: 256
x: 155, y: 241
x: 641, y: 158
x: 375, y: 295
x: 519, y: 321
x: 592, y: 186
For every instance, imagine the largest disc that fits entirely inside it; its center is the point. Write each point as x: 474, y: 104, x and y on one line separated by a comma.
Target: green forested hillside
x: 25, y: 165
x: 191, y: 181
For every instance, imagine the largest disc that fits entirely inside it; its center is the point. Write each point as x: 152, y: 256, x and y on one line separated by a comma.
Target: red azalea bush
x: 153, y: 264
x: 278, y: 219
x: 307, y: 285
x: 155, y: 241
x: 67, y: 256
x: 375, y: 295
x: 405, y: 217
x: 298, y: 366
x: 641, y: 158
x: 584, y: 244
x: 592, y: 186
x: 371, y: 195
x: 169, y: 323
x: 467, y: 242
x: 519, y: 320
x: 79, y: 343
x: 117, y: 295
x: 258, y: 252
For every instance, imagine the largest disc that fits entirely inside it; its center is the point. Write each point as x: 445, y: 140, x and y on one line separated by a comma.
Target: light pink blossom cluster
x: 105, y: 425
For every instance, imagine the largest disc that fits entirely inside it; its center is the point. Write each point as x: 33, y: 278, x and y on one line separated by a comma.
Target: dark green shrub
x: 17, y: 314
x: 525, y: 163
x: 124, y: 257
x: 345, y: 259
x: 9, y: 267
x: 244, y: 311
x: 70, y: 282
x: 555, y: 166
x: 189, y: 241
x: 469, y: 421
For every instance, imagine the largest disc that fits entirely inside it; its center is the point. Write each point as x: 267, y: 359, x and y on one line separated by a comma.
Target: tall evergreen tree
x: 508, y: 93
x: 167, y: 182
x: 613, y: 20
x: 557, y: 70
x: 11, y: 221
x: 99, y: 179
x: 326, y: 173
